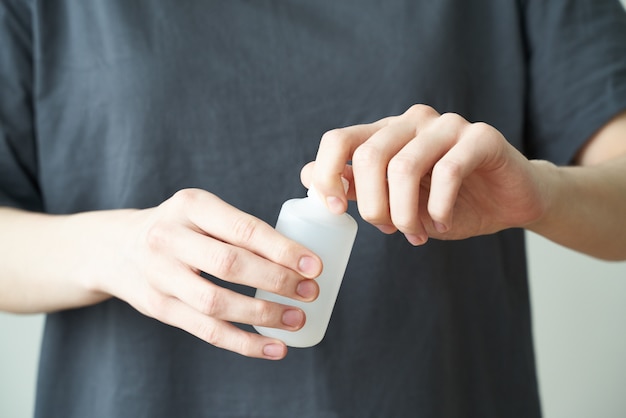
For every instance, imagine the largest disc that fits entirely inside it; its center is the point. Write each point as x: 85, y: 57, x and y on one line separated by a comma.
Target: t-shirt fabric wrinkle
x: 117, y: 104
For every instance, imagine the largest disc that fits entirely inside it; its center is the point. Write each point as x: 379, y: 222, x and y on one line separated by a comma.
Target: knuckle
x: 225, y: 262
x: 221, y: 337
x: 420, y: 111
x: 277, y: 281
x: 283, y: 252
x: 373, y: 216
x: 402, y: 166
x: 367, y: 155
x: 209, y: 332
x: 157, y: 305
x: 451, y: 118
x: 448, y: 169
x: 482, y: 128
x: 485, y: 137
x: 484, y: 133
x: 332, y: 137
x: 185, y: 197
x: 210, y: 302
x: 245, y: 228
x: 158, y: 236
x: 245, y: 345
x: 406, y: 225
x: 447, y: 127
x: 265, y: 313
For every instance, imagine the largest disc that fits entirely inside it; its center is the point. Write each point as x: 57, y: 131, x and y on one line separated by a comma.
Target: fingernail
x: 441, y: 228
x: 307, y: 289
x: 274, y: 351
x: 293, y: 318
x: 416, y: 239
x: 308, y: 266
x: 386, y: 229
x: 335, y: 204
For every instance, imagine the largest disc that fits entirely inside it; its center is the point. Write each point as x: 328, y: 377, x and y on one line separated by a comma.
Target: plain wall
x: 20, y: 336
x: 579, y: 322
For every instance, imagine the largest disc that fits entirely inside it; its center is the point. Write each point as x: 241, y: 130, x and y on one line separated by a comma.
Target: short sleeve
x: 577, y: 74
x: 18, y: 153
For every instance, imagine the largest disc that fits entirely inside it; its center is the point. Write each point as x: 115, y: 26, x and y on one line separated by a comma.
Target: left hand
x: 428, y: 175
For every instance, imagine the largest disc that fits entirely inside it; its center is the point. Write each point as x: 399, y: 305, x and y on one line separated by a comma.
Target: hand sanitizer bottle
x: 309, y: 222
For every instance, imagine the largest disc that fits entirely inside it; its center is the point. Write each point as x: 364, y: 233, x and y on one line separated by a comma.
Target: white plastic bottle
x: 309, y: 222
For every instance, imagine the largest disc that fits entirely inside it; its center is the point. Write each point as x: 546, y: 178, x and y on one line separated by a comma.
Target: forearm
x: 50, y: 262
x: 585, y: 207
x: 151, y: 259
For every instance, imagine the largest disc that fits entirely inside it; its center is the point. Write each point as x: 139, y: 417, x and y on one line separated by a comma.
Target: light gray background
x: 579, y: 314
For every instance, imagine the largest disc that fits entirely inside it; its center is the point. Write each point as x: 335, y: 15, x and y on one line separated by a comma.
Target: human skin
x: 422, y: 173
x: 152, y: 259
x: 430, y: 175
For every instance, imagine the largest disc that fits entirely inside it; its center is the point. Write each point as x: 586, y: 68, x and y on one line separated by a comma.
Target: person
x: 146, y: 147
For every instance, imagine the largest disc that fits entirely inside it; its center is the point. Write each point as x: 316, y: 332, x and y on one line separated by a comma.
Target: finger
x: 220, y: 333
x: 409, y: 166
x: 237, y: 265
x: 369, y: 165
x: 335, y: 150
x: 215, y: 217
x: 478, y: 144
x: 306, y: 176
x: 221, y: 303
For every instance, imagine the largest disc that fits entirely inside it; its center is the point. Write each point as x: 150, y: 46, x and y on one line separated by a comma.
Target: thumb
x: 333, y: 191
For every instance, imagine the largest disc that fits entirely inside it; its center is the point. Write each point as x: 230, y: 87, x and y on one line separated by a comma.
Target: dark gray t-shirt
x: 118, y: 103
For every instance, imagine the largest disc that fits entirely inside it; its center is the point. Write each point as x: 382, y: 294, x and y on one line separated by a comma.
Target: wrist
x: 583, y: 208
x: 549, y: 183
x: 103, y: 238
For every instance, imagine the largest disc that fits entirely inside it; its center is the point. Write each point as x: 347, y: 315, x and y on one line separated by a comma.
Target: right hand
x: 194, y: 231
